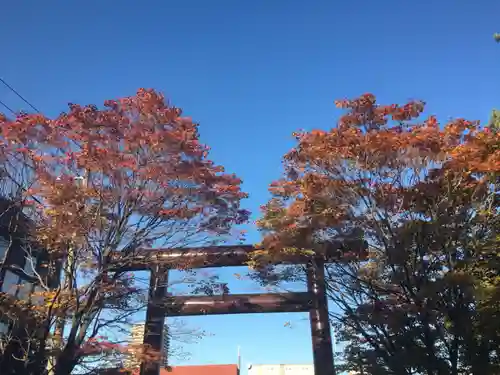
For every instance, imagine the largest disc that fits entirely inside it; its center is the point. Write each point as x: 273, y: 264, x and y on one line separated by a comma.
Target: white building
x: 283, y: 369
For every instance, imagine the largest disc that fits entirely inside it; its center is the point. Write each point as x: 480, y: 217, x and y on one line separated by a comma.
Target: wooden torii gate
x: 314, y: 301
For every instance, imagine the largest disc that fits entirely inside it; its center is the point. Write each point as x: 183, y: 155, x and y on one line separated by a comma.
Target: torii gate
x: 159, y: 261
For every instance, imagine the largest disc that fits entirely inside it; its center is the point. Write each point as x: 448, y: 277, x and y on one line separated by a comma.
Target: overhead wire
x: 14, y: 113
x: 8, y: 108
x: 18, y: 95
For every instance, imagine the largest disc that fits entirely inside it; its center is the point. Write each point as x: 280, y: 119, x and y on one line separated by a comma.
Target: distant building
x: 202, y: 370
x: 282, y: 369
x: 23, y: 263
x: 184, y: 370
x: 137, y: 338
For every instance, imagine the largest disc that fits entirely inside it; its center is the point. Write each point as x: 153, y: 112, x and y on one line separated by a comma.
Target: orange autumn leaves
x: 135, y: 172
x: 100, y: 183
x: 137, y: 150
x: 373, y: 160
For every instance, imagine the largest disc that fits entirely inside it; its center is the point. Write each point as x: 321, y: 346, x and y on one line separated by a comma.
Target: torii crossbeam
x: 160, y: 305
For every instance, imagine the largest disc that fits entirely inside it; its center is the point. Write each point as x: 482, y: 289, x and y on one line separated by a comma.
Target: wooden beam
x: 227, y: 256
x: 237, y: 304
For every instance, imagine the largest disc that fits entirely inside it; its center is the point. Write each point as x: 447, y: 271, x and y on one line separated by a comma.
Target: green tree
x: 494, y: 123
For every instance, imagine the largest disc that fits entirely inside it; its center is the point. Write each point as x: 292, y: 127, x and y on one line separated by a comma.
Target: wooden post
x: 319, y: 319
x: 155, y: 318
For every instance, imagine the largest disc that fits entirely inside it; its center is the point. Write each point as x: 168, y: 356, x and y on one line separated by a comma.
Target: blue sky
x: 252, y: 72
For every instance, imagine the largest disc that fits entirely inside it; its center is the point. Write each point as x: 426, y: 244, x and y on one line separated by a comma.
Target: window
x: 37, y: 298
x: 10, y: 281
x: 4, y: 245
x: 25, y: 290
x: 4, y: 328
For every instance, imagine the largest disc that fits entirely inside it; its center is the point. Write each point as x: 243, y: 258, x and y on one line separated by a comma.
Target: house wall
x: 281, y: 369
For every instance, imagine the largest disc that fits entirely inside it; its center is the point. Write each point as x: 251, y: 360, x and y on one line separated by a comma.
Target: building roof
x: 202, y: 370
x: 182, y: 370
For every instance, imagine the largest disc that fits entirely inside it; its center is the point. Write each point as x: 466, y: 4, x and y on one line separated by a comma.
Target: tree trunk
x: 65, y: 363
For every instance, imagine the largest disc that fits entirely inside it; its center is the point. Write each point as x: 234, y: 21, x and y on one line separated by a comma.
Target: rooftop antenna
x: 239, y: 358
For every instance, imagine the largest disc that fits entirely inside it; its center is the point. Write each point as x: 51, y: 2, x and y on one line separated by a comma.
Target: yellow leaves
x: 296, y: 251
x: 51, y: 212
x: 53, y: 305
x: 46, y: 300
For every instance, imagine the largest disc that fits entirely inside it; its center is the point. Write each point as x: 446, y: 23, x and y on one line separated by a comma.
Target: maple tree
x: 96, y: 185
x: 425, y: 196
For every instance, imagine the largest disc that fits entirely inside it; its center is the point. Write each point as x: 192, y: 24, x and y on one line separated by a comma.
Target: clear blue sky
x: 251, y: 72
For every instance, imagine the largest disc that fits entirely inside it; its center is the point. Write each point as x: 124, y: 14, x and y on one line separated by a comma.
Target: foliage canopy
x: 97, y: 184
x: 426, y: 198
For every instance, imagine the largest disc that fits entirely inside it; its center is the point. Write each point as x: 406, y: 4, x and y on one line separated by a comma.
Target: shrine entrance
x: 314, y: 300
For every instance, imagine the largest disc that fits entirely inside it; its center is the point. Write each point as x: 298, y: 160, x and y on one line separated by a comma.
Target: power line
x: 14, y: 113
x: 8, y: 108
x: 19, y: 95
